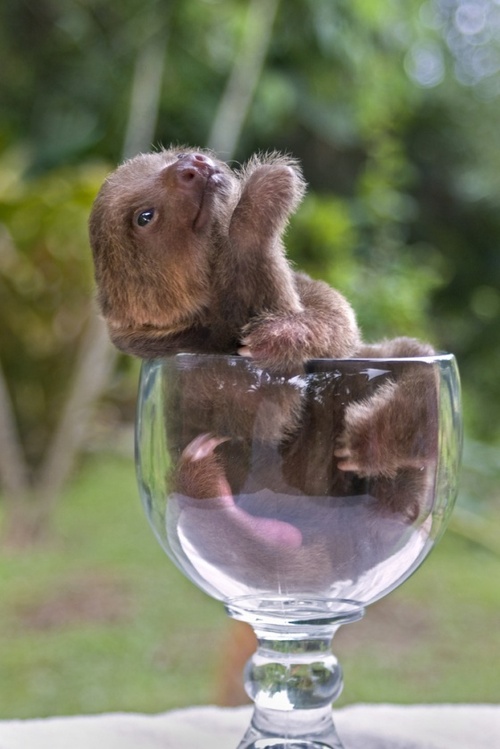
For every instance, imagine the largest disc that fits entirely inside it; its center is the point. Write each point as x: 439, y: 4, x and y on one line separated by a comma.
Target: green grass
x: 436, y: 639
x: 101, y: 620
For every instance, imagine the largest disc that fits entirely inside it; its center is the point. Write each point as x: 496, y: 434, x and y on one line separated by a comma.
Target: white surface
x: 359, y: 726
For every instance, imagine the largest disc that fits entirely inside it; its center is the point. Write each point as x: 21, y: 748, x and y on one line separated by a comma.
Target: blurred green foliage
x: 385, y: 104
x: 45, y: 287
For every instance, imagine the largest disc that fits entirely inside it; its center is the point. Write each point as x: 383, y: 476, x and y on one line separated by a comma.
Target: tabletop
x: 359, y: 727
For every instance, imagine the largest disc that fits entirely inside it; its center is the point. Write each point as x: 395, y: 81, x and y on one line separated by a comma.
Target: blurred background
x: 393, y: 109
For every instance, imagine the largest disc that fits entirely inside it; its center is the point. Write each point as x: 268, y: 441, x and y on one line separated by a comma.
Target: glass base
x: 305, y: 729
x: 289, y: 744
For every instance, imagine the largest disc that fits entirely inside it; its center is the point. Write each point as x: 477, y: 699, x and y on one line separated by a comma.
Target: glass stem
x: 293, y: 682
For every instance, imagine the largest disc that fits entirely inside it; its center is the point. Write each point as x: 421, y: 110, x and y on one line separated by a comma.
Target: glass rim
x: 439, y: 356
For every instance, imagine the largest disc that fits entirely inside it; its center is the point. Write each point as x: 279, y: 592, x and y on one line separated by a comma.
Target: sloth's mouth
x: 213, y: 182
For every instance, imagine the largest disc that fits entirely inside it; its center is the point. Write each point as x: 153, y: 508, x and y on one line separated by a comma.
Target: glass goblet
x: 297, y: 501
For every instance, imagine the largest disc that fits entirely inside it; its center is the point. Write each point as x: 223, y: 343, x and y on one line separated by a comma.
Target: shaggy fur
x: 189, y: 257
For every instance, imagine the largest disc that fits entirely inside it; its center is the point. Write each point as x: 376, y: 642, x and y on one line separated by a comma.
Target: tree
x: 32, y: 484
x: 50, y: 328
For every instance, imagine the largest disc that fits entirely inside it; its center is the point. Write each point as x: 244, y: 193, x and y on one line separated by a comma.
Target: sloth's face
x: 151, y: 232
x: 187, y: 188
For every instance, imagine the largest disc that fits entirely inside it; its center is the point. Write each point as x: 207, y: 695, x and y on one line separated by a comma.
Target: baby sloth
x: 189, y: 258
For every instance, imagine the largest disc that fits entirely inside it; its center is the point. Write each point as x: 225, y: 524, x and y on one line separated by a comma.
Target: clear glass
x: 297, y: 501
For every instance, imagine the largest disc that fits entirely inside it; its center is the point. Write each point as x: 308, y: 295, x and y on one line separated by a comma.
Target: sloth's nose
x: 192, y: 166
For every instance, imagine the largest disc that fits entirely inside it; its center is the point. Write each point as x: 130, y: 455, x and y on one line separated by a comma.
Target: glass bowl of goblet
x: 297, y: 500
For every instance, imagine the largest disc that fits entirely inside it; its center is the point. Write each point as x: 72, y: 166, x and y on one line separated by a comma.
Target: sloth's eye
x: 145, y: 217
x: 181, y: 156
